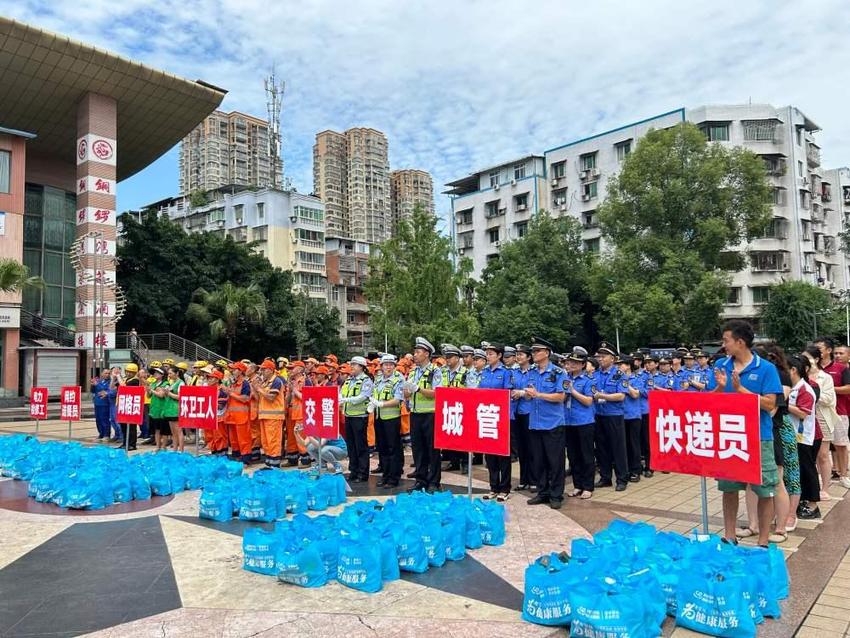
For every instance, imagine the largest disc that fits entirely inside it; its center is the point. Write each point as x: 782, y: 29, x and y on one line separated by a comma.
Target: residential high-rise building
x: 229, y: 149
x: 409, y: 187
x: 800, y: 243
x: 351, y: 174
x: 347, y: 267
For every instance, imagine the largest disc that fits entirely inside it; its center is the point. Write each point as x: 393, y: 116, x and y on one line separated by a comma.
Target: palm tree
x: 227, y: 308
x: 14, y: 276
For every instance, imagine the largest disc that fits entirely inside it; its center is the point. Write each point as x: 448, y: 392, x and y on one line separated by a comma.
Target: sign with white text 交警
x: 198, y: 407
x: 473, y: 420
x: 321, y: 411
x: 706, y: 434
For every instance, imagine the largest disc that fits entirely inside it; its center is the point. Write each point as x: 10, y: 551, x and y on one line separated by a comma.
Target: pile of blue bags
x: 371, y: 542
x: 630, y: 577
x: 269, y: 495
x: 73, y: 476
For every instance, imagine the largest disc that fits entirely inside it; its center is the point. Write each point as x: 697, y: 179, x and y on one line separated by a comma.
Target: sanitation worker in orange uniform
x: 271, y: 413
x: 237, y: 412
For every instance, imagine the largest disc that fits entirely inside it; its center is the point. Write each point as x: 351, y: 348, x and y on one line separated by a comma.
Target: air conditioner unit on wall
x: 594, y: 172
x: 554, y: 181
x: 497, y: 243
x: 585, y: 198
x: 583, y: 175
x: 496, y: 186
x: 563, y: 207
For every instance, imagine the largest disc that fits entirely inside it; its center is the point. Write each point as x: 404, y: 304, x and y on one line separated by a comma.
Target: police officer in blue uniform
x: 454, y: 376
x: 650, y: 368
x: 419, y: 391
x: 610, y: 427
x: 497, y: 377
x: 632, y: 415
x: 519, y: 419
x: 580, y: 417
x: 664, y: 379
x: 545, y: 389
x: 680, y: 374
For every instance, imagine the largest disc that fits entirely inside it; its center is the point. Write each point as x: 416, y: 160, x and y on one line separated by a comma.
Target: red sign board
x: 38, y: 403
x: 711, y: 434
x: 70, y: 403
x: 473, y: 420
x: 131, y: 404
x: 198, y: 407
x: 321, y: 411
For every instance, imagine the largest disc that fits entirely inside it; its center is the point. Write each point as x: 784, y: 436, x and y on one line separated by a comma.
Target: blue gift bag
x: 431, y: 532
x: 546, y: 600
x: 474, y: 524
x: 454, y: 536
x: 300, y: 565
x: 390, y: 569
x: 256, y: 503
x: 216, y: 503
x: 259, y: 549
x: 715, y: 606
x: 359, y: 564
x: 493, y: 526
x: 611, y: 608
x: 412, y: 556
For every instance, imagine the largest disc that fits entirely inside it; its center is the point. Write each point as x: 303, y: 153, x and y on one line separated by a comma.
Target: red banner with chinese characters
x: 38, y: 403
x: 713, y: 434
x: 198, y: 407
x: 130, y: 407
x: 321, y: 411
x: 70, y: 403
x: 473, y: 420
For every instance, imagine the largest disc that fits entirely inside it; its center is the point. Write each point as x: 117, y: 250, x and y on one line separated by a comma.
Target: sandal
x: 585, y: 495
x: 745, y: 532
x: 778, y: 537
x: 791, y: 528
x: 574, y: 493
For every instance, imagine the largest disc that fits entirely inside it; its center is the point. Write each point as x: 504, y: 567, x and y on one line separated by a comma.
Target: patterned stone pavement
x: 156, y: 570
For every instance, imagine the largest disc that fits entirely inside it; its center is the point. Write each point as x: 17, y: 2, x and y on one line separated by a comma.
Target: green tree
x: 413, y: 288
x: 14, y: 276
x: 676, y: 216
x: 536, y: 286
x: 227, y: 309
x: 198, y: 198
x: 797, y: 312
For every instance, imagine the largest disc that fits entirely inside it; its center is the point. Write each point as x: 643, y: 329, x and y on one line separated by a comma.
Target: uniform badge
x: 567, y: 384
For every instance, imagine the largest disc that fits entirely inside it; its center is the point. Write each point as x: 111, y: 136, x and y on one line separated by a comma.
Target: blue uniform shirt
x: 546, y: 415
x: 101, y: 386
x: 662, y: 381
x: 646, y: 385
x: 473, y: 377
x: 631, y: 407
x: 610, y: 381
x: 694, y: 373
x: 498, y: 378
x: 759, y: 377
x: 520, y: 382
x: 578, y: 414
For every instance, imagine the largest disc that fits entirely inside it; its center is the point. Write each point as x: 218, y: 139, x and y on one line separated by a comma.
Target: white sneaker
x: 489, y: 497
x: 844, y: 481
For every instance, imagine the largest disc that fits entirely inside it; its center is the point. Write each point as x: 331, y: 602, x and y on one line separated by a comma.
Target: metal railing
x: 183, y: 348
x: 36, y: 326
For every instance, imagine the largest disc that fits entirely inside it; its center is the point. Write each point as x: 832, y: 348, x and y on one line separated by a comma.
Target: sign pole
x: 704, y: 495
x: 197, y: 442
x: 469, y: 475
x: 69, y: 431
x: 127, y: 439
x: 36, y: 427
x: 319, y: 439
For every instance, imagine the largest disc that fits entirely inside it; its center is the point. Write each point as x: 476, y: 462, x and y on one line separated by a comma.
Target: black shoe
x: 556, y: 504
x: 533, y: 489
x: 388, y: 485
x: 634, y: 478
x: 411, y: 475
x: 433, y: 488
x: 621, y: 487
x: 521, y: 488
x: 453, y: 466
x: 418, y: 487
x: 306, y: 461
x: 381, y: 482
x: 538, y: 500
x: 377, y: 470
x: 648, y: 473
x: 809, y: 514
x: 354, y: 479
x: 602, y: 483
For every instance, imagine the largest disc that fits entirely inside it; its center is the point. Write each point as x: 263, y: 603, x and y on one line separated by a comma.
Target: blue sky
x: 461, y: 85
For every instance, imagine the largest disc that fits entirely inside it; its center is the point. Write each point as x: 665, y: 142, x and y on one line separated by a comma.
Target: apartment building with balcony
x: 494, y: 205
x: 408, y: 188
x: 347, y: 268
x: 286, y: 227
x: 809, y: 203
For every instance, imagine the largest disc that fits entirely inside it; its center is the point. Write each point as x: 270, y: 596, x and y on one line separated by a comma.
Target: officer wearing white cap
x: 454, y: 376
x: 509, y: 357
x: 466, y: 353
x: 387, y: 396
x: 610, y: 393
x: 545, y: 389
x: 473, y: 375
x: 354, y: 403
x: 419, y: 391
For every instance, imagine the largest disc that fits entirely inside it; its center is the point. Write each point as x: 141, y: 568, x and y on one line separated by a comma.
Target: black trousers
x: 499, y: 468
x: 611, y: 447
x: 426, y: 458
x: 809, y: 478
x: 358, y: 446
x: 390, y: 452
x: 130, y: 434
x: 634, y: 429
x: 522, y: 435
x: 580, y: 452
x: 644, y: 440
x: 548, y: 449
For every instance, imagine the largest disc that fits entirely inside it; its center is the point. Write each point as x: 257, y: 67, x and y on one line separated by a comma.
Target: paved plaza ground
x: 153, y: 568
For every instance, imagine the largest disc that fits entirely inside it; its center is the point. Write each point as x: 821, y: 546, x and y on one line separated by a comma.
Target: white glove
x: 373, y: 403
x: 344, y: 400
x: 379, y: 404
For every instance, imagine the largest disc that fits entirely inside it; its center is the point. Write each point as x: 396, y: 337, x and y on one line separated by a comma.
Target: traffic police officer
x: 473, y: 375
x: 580, y: 415
x: 610, y: 429
x: 356, y: 392
x: 419, y: 391
x: 520, y: 409
x: 454, y: 376
x: 545, y: 389
x: 387, y: 396
x: 497, y: 377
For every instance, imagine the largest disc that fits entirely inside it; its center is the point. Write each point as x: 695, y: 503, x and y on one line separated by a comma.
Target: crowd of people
x: 571, y: 414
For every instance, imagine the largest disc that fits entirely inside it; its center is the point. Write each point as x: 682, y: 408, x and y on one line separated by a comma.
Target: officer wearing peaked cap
x: 580, y: 417
x: 496, y: 376
x: 466, y: 353
x: 386, y: 400
x: 611, y: 388
x: 473, y: 375
x: 454, y: 376
x: 545, y: 389
x: 520, y: 410
x: 419, y: 392
x: 354, y: 404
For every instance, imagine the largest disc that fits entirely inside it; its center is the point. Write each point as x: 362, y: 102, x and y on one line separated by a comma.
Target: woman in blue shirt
x: 580, y: 415
x: 632, y: 418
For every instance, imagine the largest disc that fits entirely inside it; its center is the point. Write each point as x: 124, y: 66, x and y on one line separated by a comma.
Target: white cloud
x: 460, y: 85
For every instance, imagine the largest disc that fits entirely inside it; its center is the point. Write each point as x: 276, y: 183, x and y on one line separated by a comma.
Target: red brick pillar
x: 97, y: 127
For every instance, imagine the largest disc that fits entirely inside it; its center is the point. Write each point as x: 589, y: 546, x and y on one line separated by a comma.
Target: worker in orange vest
x: 294, y: 414
x: 271, y: 413
x: 237, y: 414
x: 254, y: 378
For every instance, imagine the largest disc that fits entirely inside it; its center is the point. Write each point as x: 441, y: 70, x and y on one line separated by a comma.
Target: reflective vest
x: 459, y: 380
x: 387, y: 393
x: 351, y: 388
x: 420, y: 404
x: 273, y: 409
x: 253, y: 404
x: 294, y: 402
x: 236, y: 412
